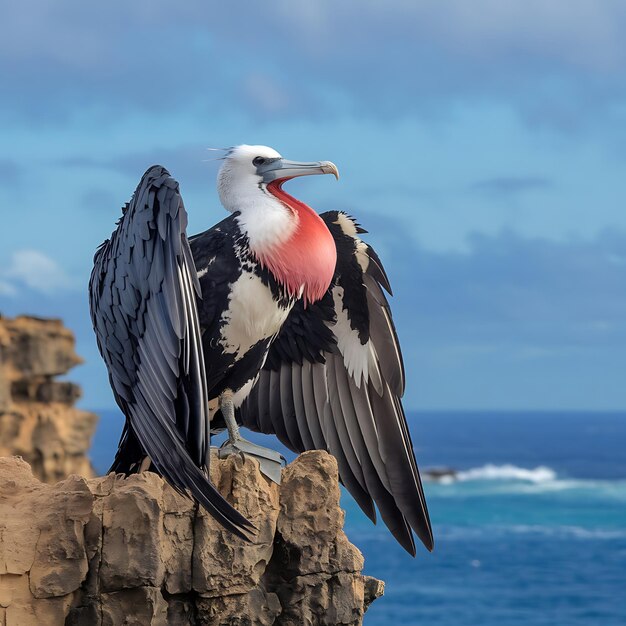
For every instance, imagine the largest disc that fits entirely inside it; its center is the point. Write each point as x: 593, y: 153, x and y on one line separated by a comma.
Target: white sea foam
x: 577, y: 532
x: 540, y: 474
x: 557, y: 531
x: 509, y: 479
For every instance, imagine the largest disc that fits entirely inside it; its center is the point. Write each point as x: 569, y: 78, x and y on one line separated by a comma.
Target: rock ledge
x: 113, y: 550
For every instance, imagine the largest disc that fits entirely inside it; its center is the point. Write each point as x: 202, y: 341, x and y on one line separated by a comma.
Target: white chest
x: 252, y: 315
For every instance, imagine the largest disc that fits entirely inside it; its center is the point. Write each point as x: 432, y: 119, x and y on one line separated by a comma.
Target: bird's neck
x: 291, y: 240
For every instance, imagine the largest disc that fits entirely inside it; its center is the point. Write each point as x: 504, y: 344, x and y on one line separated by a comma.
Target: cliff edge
x: 38, y: 419
x: 112, y: 550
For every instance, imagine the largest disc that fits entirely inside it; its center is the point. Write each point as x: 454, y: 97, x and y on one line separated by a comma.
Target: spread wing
x: 333, y: 380
x: 143, y: 291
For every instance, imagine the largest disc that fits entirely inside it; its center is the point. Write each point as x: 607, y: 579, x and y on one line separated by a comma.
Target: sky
x: 482, y: 144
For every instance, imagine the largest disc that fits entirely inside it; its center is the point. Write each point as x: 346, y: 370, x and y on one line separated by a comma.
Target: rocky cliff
x: 111, y: 551
x: 38, y: 419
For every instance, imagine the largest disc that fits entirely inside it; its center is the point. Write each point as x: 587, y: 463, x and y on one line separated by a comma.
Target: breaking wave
x: 491, y: 479
x: 541, y: 474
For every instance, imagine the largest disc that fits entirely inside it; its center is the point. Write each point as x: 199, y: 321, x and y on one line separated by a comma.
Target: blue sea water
x: 532, y: 532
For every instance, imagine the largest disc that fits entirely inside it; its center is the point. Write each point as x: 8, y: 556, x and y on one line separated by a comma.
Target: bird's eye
x: 258, y: 161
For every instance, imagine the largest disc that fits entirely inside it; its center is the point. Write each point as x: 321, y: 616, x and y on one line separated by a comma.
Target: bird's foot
x: 145, y: 465
x: 269, y: 460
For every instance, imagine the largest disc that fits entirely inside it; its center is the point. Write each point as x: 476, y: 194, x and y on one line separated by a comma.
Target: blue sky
x: 483, y: 145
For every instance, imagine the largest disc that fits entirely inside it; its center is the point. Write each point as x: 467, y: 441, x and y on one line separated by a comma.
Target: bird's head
x: 248, y: 170
x: 285, y: 235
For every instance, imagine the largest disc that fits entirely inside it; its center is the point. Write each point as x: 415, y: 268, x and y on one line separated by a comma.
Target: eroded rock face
x: 38, y: 420
x: 114, y: 550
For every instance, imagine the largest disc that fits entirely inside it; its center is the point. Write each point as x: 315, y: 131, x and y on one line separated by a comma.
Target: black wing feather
x: 143, y: 291
x: 342, y: 375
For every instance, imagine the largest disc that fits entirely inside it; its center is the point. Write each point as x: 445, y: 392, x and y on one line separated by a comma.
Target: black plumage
x: 143, y: 291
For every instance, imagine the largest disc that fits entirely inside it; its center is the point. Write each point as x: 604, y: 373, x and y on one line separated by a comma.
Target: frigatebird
x: 275, y: 319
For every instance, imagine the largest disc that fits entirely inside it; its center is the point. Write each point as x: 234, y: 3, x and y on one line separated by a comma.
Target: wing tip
x: 428, y: 540
x: 425, y: 535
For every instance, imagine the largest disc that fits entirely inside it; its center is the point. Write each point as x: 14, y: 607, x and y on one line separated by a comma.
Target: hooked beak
x: 282, y: 169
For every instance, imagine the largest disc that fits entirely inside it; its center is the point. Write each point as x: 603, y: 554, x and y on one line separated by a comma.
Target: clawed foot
x: 270, y: 461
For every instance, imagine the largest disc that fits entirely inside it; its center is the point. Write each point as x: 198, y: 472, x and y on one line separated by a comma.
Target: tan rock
x: 117, y: 550
x: 34, y: 346
x: 178, y: 541
x: 255, y: 608
x: 141, y: 606
x: 314, y: 568
x: 222, y: 563
x: 132, y: 521
x: 38, y: 420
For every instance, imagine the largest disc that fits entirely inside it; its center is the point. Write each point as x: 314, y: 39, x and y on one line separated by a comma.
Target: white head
x: 238, y: 179
x: 249, y: 182
x: 247, y: 170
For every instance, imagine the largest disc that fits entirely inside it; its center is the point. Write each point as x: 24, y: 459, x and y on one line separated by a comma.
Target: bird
x: 275, y: 319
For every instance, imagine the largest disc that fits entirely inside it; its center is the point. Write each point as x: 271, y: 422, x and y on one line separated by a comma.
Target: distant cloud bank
x: 34, y: 270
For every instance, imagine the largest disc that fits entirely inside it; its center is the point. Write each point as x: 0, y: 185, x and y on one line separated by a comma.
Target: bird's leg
x: 212, y: 407
x: 270, y: 461
x: 228, y: 412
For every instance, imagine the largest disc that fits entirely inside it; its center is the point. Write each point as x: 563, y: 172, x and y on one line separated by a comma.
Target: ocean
x: 532, y: 531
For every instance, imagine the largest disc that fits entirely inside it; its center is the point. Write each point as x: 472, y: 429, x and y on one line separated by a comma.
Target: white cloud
x: 35, y: 270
